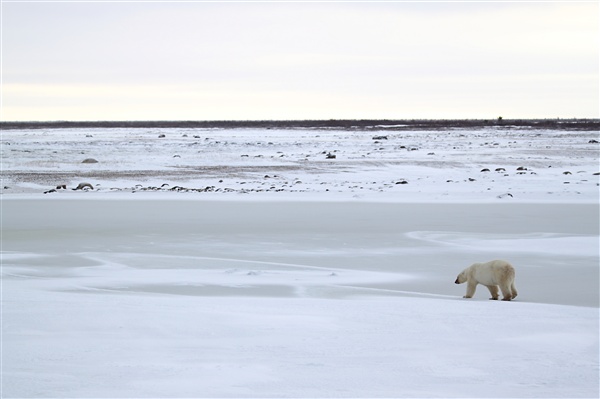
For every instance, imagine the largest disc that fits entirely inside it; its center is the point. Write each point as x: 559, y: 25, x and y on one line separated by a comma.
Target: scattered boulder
x: 485, y: 170
x: 330, y: 156
x: 593, y: 141
x: 505, y: 195
x: 380, y: 137
x: 500, y: 170
x: 161, y: 136
x: 521, y: 168
x: 82, y: 186
x: 89, y: 160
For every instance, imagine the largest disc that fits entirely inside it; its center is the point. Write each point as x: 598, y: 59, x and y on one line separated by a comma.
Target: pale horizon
x: 77, y: 61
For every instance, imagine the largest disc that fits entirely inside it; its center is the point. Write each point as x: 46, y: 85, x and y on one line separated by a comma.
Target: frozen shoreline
x: 296, y: 232
x: 173, y: 298
x: 302, y: 292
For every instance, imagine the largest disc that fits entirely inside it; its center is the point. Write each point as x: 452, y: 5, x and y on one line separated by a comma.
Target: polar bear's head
x: 462, y: 277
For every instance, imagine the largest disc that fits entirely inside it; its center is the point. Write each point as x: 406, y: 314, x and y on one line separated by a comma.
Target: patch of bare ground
x: 177, y: 173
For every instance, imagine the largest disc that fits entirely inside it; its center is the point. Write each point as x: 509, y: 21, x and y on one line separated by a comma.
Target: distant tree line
x: 343, y: 124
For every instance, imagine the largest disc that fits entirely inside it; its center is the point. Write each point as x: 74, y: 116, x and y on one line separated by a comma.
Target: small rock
x: 89, y: 160
x: 82, y: 186
x: 505, y: 195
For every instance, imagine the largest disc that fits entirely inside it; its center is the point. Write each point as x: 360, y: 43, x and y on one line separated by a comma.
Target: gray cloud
x: 366, y: 60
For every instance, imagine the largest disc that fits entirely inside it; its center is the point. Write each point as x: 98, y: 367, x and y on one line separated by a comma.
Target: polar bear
x: 492, y: 274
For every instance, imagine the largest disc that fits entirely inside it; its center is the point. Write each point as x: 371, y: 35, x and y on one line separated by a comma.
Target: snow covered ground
x: 453, y: 165
x: 262, y: 268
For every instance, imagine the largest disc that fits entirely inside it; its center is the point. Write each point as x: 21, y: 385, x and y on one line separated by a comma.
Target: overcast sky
x: 207, y: 61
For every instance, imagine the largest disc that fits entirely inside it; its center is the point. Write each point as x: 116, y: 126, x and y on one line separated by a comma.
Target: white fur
x: 493, y: 274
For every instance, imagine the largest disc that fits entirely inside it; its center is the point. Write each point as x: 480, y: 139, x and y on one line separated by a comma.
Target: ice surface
x: 302, y: 292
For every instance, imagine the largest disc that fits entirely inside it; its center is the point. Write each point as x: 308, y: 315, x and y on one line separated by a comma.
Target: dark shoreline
x: 335, y: 124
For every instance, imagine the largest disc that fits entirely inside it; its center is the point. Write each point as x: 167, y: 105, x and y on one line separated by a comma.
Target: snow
x: 437, y: 166
x: 122, y: 291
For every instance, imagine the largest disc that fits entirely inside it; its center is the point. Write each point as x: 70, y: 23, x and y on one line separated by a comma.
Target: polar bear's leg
x: 513, y: 289
x: 493, y: 290
x: 470, y: 289
x: 506, y: 292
